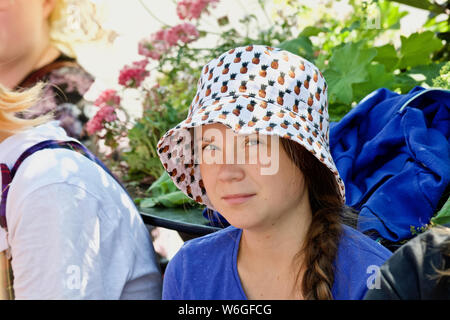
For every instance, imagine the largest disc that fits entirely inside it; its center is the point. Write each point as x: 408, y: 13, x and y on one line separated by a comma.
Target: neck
x: 269, y: 263
x: 278, y: 244
x: 13, y: 72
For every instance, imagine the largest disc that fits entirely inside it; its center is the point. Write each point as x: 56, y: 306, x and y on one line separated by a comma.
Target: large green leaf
x: 387, y: 55
x: 300, y: 46
x: 378, y: 78
x: 172, y: 199
x: 312, y: 31
x: 417, y: 49
x: 347, y: 65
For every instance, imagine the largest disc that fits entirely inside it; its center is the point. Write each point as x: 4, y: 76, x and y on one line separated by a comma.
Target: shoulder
x: 71, y: 173
x: 193, y: 273
x: 205, y: 254
x: 357, y: 264
x: 49, y: 166
x: 355, y: 244
x: 209, y: 247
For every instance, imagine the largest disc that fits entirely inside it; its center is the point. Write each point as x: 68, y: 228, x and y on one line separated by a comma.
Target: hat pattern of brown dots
x: 252, y: 89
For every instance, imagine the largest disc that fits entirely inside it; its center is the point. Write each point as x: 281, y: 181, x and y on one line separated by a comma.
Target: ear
x: 47, y: 7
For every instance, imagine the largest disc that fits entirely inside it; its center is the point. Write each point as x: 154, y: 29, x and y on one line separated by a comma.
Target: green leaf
x: 378, y: 78
x: 147, y: 203
x: 429, y: 71
x: 160, y: 185
x: 338, y: 111
x: 173, y: 199
x: 390, y: 15
x: 312, y: 31
x: 223, y: 21
x: 347, y: 65
x: 300, y: 46
x: 404, y: 82
x: 443, y: 216
x: 387, y: 55
x: 417, y: 49
x: 169, y: 200
x: 443, y: 80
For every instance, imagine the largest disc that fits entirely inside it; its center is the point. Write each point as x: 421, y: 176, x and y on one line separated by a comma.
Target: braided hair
x: 328, y: 213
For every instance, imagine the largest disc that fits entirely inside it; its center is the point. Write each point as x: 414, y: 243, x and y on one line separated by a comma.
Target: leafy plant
x: 165, y: 193
x: 443, y: 80
x: 353, y: 62
x: 357, y: 53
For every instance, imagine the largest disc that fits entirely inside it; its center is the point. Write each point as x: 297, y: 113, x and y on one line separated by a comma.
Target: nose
x: 230, y: 173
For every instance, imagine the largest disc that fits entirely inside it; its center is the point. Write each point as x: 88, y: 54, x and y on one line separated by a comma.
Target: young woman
x: 255, y: 148
x: 68, y: 228
x: 36, y: 44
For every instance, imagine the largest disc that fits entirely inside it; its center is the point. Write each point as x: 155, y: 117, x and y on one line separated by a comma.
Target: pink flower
x: 108, y: 97
x: 132, y: 76
x: 184, y: 32
x: 154, y: 46
x: 106, y: 113
x: 192, y: 9
x: 159, y: 43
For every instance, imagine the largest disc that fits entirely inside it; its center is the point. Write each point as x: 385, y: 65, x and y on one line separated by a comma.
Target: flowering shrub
x: 107, y: 102
x: 192, y: 9
x: 132, y: 76
x: 357, y: 52
x: 162, y: 41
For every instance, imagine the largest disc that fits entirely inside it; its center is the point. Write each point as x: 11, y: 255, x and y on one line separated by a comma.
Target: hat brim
x: 254, y: 115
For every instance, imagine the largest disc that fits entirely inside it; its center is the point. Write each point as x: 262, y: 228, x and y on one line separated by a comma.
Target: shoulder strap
x: 8, y: 175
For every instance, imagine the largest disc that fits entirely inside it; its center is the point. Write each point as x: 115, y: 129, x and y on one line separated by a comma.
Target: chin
x: 242, y: 218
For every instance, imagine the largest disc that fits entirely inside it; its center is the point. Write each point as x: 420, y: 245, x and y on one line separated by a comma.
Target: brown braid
x: 322, y: 240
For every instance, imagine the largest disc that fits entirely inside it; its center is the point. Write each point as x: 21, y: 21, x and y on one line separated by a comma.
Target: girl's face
x: 238, y: 189
x: 22, y: 27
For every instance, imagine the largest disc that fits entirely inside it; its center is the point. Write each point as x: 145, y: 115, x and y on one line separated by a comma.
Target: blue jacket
x: 392, y: 151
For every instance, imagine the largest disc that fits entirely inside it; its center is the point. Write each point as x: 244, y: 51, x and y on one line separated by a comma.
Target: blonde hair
x: 74, y: 22
x: 12, y: 102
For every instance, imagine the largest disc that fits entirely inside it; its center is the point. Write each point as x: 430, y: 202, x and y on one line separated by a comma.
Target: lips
x: 238, y: 198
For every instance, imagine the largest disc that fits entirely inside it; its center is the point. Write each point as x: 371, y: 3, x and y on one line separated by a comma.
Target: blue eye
x: 210, y: 147
x: 252, y: 142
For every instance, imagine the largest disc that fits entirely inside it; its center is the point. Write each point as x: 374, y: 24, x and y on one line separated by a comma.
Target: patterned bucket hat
x: 252, y: 89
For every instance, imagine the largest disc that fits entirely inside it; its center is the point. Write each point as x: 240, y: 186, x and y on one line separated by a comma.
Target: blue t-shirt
x: 205, y: 268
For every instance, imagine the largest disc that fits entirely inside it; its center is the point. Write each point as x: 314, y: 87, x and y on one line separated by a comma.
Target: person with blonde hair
x: 37, y: 43
x: 69, y: 230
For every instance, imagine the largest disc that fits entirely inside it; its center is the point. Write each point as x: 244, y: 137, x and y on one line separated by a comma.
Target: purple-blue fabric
x: 205, y: 268
x: 394, y: 159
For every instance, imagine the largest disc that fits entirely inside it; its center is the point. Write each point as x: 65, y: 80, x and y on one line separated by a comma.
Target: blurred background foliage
x: 358, y: 53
